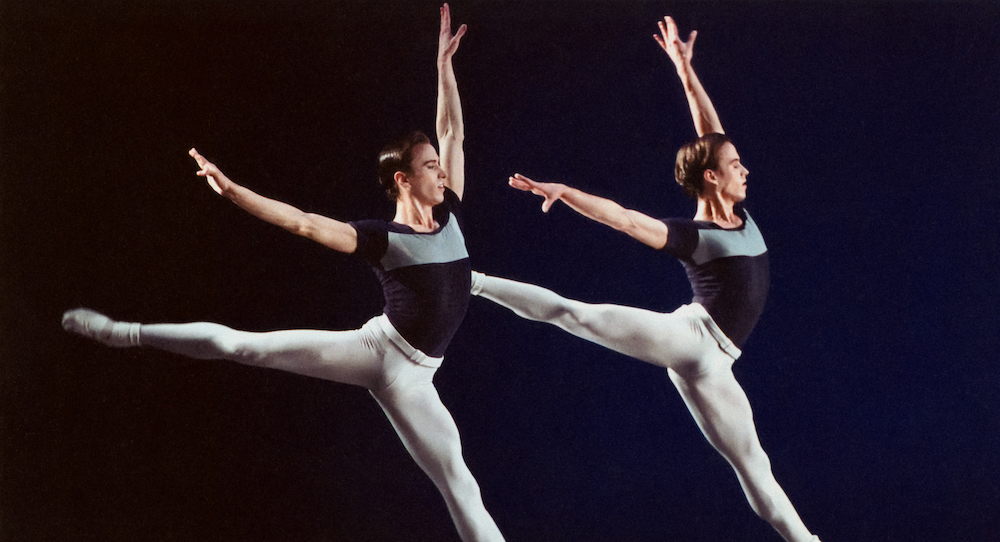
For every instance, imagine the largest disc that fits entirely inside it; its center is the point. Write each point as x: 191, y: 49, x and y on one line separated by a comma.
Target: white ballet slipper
x: 94, y: 325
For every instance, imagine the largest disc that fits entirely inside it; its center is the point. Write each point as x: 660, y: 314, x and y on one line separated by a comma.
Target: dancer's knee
x: 746, y: 454
x: 555, y: 310
x: 579, y: 318
x: 447, y: 468
x: 459, y: 481
x: 762, y: 489
x: 237, y: 346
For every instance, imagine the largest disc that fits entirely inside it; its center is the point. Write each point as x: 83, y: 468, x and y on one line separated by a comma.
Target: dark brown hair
x: 396, y: 156
x: 694, y: 158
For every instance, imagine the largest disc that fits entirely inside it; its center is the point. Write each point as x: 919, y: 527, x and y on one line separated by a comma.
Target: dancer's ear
x: 401, y: 180
x: 710, y: 177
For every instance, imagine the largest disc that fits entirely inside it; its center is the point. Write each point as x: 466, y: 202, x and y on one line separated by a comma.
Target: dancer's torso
x: 728, y: 270
x: 425, y: 277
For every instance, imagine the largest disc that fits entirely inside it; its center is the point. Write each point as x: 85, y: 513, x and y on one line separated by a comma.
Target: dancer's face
x: 730, y: 176
x: 426, y: 177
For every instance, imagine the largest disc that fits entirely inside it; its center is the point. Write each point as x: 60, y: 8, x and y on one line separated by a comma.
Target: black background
x: 871, y: 132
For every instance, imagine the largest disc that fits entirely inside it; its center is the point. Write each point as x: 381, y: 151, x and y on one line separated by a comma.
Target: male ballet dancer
x: 421, y: 260
x: 726, y: 261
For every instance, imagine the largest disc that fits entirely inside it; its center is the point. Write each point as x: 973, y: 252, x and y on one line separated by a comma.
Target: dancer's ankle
x: 125, y: 334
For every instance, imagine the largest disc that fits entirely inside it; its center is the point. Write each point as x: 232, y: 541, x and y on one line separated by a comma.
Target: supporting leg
x: 720, y: 406
x: 429, y: 433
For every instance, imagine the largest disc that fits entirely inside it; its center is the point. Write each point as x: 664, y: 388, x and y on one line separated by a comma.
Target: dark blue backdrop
x: 871, y: 132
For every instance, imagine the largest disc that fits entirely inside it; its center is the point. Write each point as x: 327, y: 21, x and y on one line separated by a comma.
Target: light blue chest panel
x: 714, y: 244
x: 444, y: 246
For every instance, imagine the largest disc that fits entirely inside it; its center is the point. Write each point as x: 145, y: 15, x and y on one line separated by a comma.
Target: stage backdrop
x: 872, y: 138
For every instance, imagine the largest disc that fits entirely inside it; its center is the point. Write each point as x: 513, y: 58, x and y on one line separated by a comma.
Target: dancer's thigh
x: 664, y: 339
x: 351, y: 357
x: 721, y: 408
x: 422, y: 422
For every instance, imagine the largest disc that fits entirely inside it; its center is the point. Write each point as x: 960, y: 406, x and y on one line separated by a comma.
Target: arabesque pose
x: 726, y: 262
x: 421, y: 260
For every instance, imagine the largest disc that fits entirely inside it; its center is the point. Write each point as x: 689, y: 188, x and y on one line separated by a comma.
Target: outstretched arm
x: 706, y: 120
x: 641, y: 227
x: 327, y: 231
x: 450, y: 127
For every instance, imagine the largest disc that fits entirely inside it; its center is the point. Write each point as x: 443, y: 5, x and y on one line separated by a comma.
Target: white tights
x: 683, y: 342
x: 364, y: 357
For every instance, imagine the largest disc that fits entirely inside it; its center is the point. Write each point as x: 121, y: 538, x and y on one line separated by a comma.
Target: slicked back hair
x: 694, y: 158
x: 396, y: 156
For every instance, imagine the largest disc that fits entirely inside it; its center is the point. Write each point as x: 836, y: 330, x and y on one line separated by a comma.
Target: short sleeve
x: 682, y: 237
x: 373, y: 240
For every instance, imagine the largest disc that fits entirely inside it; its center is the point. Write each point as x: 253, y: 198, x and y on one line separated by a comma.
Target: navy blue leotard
x: 728, y: 270
x: 425, y: 277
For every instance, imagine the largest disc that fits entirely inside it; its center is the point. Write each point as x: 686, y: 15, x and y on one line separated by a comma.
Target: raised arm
x: 706, y: 120
x: 641, y: 227
x: 449, y: 125
x: 327, y: 231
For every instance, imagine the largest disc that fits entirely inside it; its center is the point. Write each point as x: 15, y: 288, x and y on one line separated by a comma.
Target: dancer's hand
x: 219, y: 182
x: 550, y: 191
x: 448, y: 44
x: 679, y: 51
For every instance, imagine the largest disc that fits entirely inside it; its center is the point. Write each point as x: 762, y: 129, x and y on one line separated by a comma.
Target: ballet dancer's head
x: 398, y: 157
x: 411, y: 165
x: 711, y: 163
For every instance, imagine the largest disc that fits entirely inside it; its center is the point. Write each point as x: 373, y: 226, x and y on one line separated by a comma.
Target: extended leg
x: 720, y: 406
x: 350, y: 357
x: 429, y: 433
x: 653, y: 337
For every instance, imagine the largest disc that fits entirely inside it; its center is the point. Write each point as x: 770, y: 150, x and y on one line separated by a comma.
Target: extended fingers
x: 514, y: 182
x: 521, y: 182
x: 670, y: 28
x: 448, y: 43
x: 659, y: 40
x: 667, y: 38
x: 670, y: 40
x: 523, y: 179
x: 445, y: 19
x: 446, y: 24
x: 197, y: 157
x: 202, y: 163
